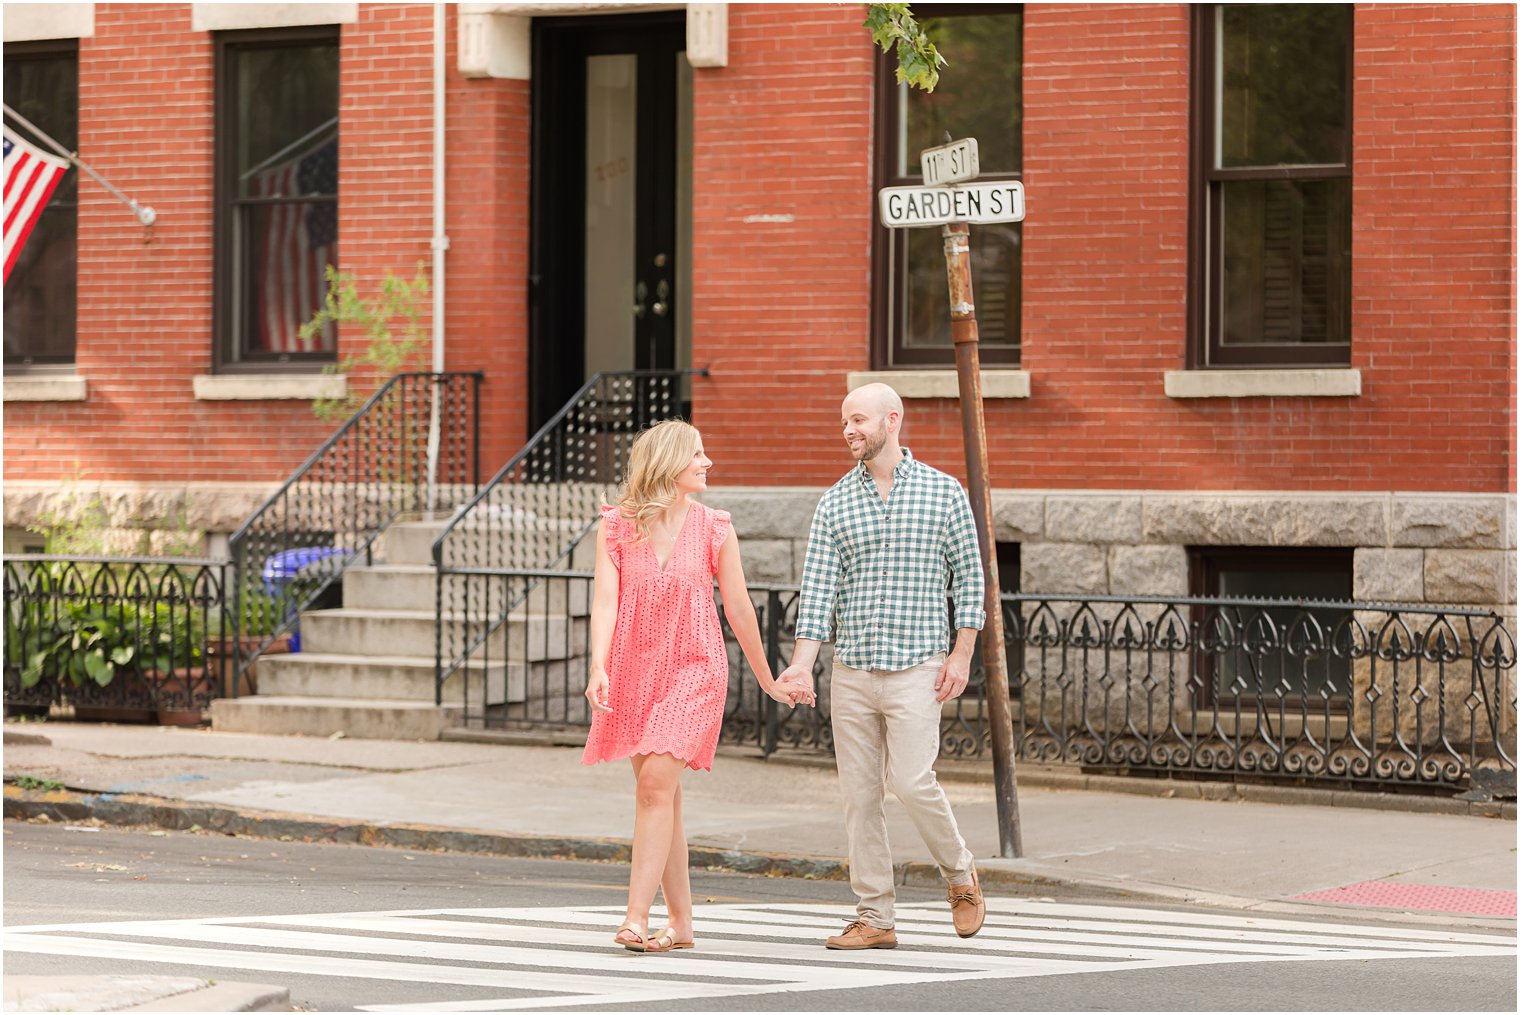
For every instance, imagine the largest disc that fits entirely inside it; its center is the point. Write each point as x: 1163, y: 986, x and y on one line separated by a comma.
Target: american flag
x: 30, y: 176
x: 295, y: 246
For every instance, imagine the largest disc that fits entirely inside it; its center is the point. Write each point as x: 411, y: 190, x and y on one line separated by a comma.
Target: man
x: 886, y: 542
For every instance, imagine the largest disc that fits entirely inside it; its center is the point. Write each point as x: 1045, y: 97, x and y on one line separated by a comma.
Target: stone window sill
x: 1339, y: 383
x: 46, y: 388
x: 269, y: 387
x: 943, y: 383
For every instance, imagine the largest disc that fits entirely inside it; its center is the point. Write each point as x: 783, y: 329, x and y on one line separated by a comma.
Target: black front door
x: 609, y: 101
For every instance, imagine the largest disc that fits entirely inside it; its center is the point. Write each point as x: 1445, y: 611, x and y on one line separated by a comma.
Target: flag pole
x: 146, y: 215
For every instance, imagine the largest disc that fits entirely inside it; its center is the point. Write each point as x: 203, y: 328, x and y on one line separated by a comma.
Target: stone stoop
x: 366, y: 669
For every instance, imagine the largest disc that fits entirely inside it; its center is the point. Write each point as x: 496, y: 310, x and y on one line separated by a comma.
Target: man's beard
x: 871, y: 447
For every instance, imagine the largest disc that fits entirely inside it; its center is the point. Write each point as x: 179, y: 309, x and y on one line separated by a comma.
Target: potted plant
x: 86, y: 647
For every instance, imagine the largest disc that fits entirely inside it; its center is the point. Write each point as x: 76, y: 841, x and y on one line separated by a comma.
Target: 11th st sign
x: 978, y: 203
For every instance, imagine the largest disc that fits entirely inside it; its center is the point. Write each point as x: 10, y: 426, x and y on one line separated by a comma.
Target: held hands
x: 596, y: 691
x: 953, y: 677
x: 794, y: 686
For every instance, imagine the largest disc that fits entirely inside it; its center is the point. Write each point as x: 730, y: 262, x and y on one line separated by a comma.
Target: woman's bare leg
x: 654, y: 824
x: 676, y: 880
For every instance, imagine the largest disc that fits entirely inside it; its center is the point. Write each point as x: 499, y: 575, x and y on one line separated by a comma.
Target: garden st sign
x: 977, y: 203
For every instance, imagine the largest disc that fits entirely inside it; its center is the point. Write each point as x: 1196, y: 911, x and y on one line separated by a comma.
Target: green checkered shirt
x: 879, y: 569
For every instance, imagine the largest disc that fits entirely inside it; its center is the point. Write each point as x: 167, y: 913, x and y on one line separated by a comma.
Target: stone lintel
x: 1092, y: 518
x: 1266, y: 518
x: 1476, y: 521
x: 38, y: 22
x: 227, y: 17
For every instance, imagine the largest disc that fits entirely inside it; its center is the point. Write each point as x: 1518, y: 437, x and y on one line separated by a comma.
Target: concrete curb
x: 159, y: 812
x: 1013, y: 876
x: 140, y: 993
x: 1061, y: 777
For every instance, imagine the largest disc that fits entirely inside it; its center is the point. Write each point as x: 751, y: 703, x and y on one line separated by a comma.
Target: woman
x: 659, y: 668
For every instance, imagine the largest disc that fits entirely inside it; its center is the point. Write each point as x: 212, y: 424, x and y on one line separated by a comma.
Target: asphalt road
x: 359, y: 928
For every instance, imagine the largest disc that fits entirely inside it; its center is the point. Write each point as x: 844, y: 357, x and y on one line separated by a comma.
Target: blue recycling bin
x: 282, y: 570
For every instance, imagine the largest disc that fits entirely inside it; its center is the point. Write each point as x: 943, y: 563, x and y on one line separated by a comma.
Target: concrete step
x: 372, y: 719
x: 414, y: 587
x: 413, y: 633
x: 306, y: 675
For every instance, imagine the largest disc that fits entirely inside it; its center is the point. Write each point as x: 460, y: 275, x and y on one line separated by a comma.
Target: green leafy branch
x: 918, y: 62
x: 390, y: 323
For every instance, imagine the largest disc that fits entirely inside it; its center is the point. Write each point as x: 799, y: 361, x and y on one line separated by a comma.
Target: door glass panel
x: 611, y: 159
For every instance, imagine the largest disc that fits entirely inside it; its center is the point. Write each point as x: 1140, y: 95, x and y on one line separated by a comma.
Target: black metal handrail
x: 1334, y: 692
x: 114, y: 632
x: 538, y: 508
x: 412, y: 449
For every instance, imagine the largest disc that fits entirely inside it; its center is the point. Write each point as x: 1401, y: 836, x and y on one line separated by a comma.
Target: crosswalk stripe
x: 565, y: 955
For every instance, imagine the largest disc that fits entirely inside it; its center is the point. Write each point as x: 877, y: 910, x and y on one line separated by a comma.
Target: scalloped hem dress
x: 667, y: 669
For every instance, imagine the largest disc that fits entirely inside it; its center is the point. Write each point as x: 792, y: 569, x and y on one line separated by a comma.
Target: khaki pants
x: 886, y: 734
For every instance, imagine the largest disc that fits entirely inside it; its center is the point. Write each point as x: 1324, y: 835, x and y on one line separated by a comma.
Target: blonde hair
x: 657, y: 457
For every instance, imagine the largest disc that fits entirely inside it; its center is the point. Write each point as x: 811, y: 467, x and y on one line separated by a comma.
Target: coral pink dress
x: 667, y: 670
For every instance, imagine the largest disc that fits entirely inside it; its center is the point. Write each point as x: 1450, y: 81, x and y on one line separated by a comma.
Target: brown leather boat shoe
x: 862, y: 935
x: 966, y: 907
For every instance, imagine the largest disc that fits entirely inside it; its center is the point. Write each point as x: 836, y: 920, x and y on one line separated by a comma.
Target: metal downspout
x: 440, y: 243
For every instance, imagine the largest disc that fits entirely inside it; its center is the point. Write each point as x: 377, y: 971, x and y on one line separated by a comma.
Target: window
x: 980, y: 95
x: 1282, y: 653
x: 1270, y: 278
x: 276, y: 195
x: 42, y: 84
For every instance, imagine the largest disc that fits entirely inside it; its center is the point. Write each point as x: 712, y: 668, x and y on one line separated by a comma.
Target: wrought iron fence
x: 411, y: 451
x: 137, y: 633
x: 494, y: 558
x: 1339, y: 691
x: 1350, y: 693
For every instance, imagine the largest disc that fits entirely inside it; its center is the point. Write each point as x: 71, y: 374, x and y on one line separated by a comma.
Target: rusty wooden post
x: 963, y: 333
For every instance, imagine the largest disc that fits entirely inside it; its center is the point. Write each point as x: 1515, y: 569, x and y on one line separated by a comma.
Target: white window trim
x: 942, y: 383
x: 1339, y: 383
x: 269, y: 387
x: 46, y: 388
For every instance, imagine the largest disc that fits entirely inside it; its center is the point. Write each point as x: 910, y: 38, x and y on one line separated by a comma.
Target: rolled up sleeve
x: 820, y: 579
x: 968, y: 586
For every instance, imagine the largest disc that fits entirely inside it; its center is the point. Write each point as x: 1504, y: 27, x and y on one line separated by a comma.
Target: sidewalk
x: 748, y: 814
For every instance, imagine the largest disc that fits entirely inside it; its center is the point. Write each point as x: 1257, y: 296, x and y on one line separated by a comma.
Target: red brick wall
x: 1433, y: 244
x: 486, y: 286
x: 780, y: 309
x: 1105, y: 263
x: 144, y: 313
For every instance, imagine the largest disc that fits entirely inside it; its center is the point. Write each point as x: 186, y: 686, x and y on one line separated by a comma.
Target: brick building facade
x: 1124, y: 457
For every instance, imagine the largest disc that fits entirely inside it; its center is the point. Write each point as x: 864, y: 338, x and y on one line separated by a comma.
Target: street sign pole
x: 963, y: 333
x: 950, y: 198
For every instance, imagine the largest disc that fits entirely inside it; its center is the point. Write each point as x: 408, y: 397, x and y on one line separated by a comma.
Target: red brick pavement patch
x: 1400, y: 895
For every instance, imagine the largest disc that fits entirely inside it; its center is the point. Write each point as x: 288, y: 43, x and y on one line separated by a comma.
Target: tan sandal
x: 669, y: 936
x: 639, y: 945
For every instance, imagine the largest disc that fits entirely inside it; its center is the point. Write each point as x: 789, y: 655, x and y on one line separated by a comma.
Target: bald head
x: 872, y: 415
x: 875, y: 400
